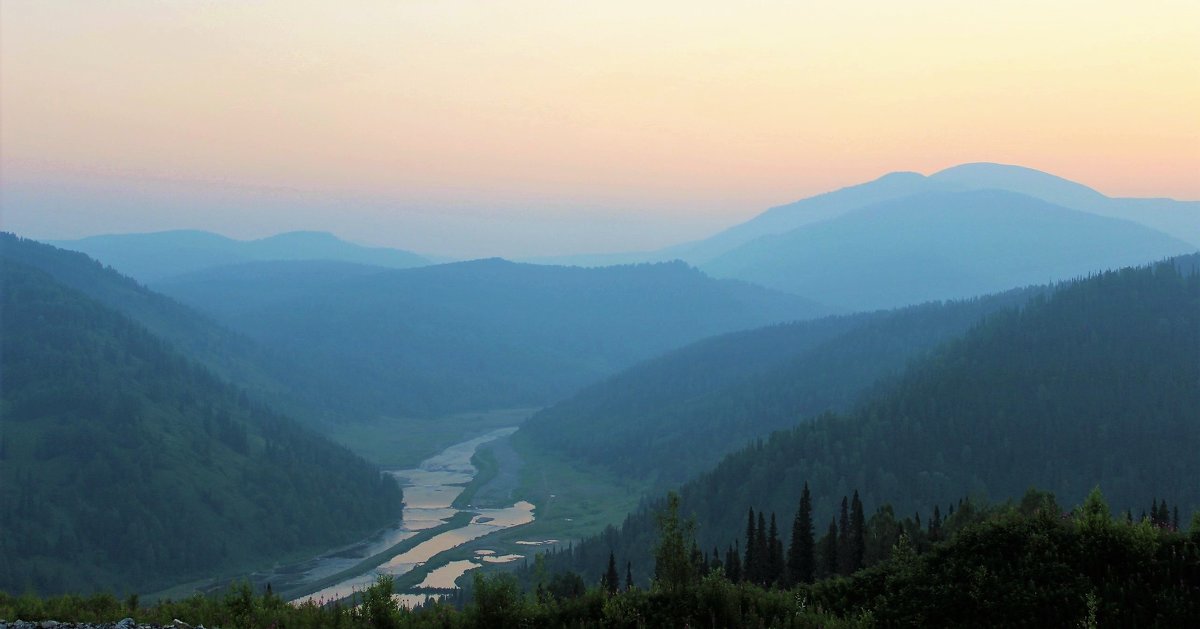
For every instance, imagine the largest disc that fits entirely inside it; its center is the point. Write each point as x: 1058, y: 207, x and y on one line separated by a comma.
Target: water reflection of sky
x: 429, y: 490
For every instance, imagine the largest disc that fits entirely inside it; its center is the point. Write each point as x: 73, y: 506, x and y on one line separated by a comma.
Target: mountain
x: 290, y: 386
x: 481, y: 334
x: 1095, y: 384
x: 125, y: 466
x: 153, y: 256
x: 1180, y: 219
x: 714, y: 396
x: 942, y: 245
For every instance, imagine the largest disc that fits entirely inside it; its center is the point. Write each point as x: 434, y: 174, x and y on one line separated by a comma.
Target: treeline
x: 715, y: 396
x: 124, y: 466
x: 1025, y: 564
x: 1094, y: 384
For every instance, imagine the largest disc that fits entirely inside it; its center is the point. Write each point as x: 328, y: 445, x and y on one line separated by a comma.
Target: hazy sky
x: 521, y: 128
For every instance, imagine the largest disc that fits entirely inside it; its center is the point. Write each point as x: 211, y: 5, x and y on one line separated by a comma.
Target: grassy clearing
x: 405, y: 442
x: 573, y: 500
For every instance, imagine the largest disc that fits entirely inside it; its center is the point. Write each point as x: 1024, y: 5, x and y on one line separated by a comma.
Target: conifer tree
x: 611, y: 580
x: 935, y: 525
x: 829, y: 550
x: 775, y: 563
x: 762, y: 551
x: 628, y: 575
x: 800, y: 551
x: 843, y: 548
x: 858, y: 524
x: 750, y: 563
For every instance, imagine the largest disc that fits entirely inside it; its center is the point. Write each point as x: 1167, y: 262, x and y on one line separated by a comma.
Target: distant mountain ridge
x: 941, y: 245
x: 153, y: 256
x: 1179, y: 219
x: 480, y: 334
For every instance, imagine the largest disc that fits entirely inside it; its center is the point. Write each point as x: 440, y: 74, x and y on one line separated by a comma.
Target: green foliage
x: 673, y: 567
x: 1005, y: 569
x: 712, y: 397
x: 127, y: 467
x: 1070, y: 391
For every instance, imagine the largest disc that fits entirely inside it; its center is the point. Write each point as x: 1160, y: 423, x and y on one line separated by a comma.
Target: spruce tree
x: 774, y: 555
x: 750, y: 563
x: 858, y: 525
x: 829, y: 550
x: 762, y: 551
x: 628, y: 575
x: 611, y: 580
x: 843, y: 549
x: 935, y: 525
x: 800, y: 551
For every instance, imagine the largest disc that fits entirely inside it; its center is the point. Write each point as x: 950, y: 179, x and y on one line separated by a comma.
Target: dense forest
x: 480, y: 334
x: 715, y: 396
x: 282, y: 382
x: 1026, y: 564
x: 125, y: 466
x: 1094, y: 384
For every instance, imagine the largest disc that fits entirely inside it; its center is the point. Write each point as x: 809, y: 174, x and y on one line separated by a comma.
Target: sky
x: 524, y: 128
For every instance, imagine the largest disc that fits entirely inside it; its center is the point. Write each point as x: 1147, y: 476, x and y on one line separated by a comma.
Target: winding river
x: 429, y: 493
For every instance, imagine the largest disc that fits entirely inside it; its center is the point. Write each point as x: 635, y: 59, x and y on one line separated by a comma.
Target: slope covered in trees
x: 265, y: 374
x: 482, y: 334
x: 125, y: 466
x: 1096, y: 384
x: 717, y: 395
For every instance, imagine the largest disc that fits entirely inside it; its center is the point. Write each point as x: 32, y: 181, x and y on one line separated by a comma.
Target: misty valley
x: 968, y: 398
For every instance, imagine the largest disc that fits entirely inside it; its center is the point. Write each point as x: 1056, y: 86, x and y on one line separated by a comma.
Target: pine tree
x: 829, y: 550
x: 716, y: 563
x: 800, y: 552
x: 935, y: 525
x: 858, y: 525
x: 1175, y: 519
x: 843, y: 549
x: 733, y: 563
x: 749, y: 564
x: 611, y: 580
x: 774, y: 555
x: 762, y: 551
x: 628, y: 575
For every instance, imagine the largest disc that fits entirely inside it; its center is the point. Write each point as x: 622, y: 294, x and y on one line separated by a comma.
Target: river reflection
x: 429, y: 491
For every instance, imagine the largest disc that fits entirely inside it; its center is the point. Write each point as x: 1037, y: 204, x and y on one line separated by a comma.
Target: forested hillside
x: 717, y: 395
x: 482, y: 334
x: 1097, y: 384
x: 124, y: 466
x: 265, y: 374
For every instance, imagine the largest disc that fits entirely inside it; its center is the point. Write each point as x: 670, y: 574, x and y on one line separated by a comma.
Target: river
x: 429, y: 493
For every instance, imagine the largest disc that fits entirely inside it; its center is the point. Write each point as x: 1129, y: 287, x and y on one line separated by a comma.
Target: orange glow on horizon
x: 678, y: 107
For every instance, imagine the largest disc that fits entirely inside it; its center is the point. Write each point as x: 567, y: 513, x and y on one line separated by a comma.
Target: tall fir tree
x: 762, y: 551
x: 611, y: 580
x: 750, y: 563
x: 829, y: 550
x: 858, y: 524
x: 775, y: 564
x: 843, y: 549
x: 800, y: 560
